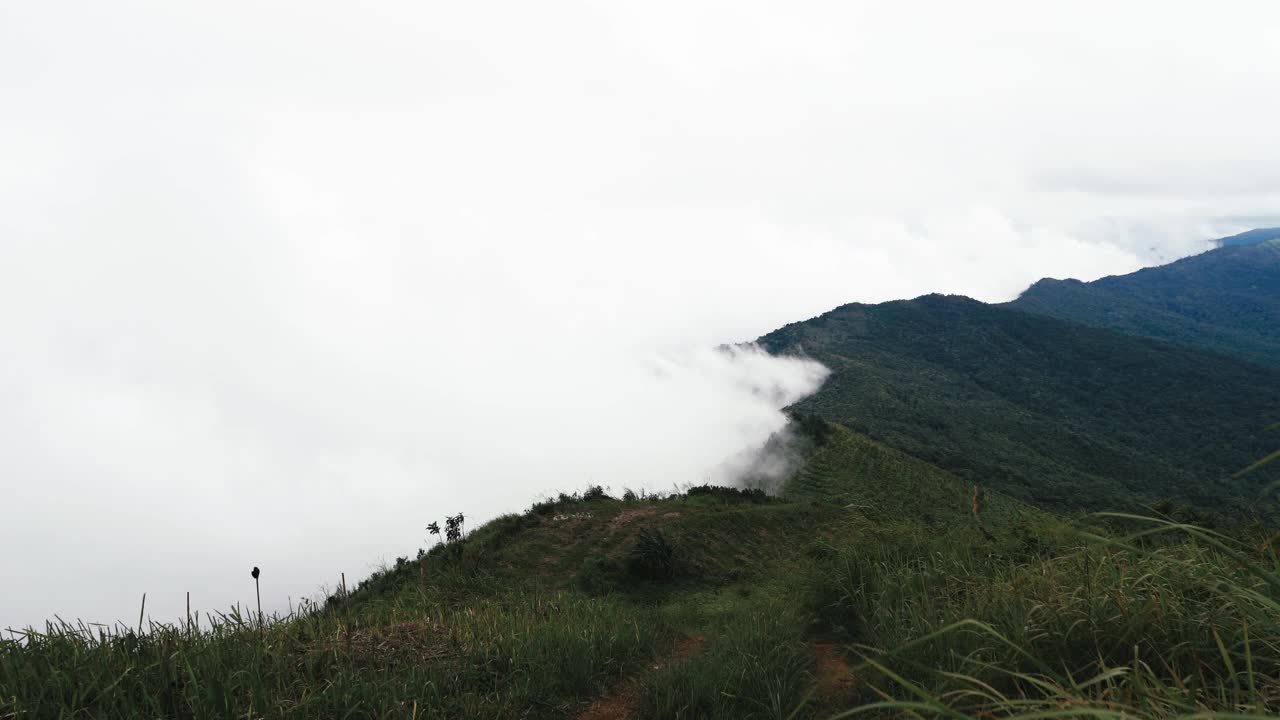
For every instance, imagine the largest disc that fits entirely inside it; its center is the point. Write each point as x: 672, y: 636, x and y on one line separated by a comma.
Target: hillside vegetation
x: 1226, y: 300
x: 874, y: 586
x: 928, y: 557
x: 1049, y: 411
x: 545, y: 613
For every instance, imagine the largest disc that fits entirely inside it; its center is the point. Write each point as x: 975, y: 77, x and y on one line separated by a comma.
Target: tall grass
x: 1169, y: 621
x: 528, y: 654
x: 1115, y: 628
x: 755, y: 665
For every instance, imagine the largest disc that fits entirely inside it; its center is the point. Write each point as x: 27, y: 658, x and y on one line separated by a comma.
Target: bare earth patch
x: 626, y: 516
x: 834, y: 675
x: 623, y: 701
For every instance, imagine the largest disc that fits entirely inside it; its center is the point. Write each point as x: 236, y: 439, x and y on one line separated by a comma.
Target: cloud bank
x: 280, y: 284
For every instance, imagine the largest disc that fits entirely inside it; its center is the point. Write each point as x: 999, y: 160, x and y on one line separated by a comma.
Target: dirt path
x: 622, y: 702
x: 832, y: 672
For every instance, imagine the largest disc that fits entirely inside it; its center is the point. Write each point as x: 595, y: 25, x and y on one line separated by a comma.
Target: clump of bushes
x: 813, y: 427
x: 595, y: 492
x: 752, y: 495
x: 599, y: 575
x: 651, y: 557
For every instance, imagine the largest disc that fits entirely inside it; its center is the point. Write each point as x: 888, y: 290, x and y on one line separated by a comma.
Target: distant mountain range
x: 1226, y: 300
x: 1250, y: 237
x: 1085, y: 395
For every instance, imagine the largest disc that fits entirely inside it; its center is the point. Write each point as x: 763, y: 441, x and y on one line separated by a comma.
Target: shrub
x: 753, y: 495
x: 651, y: 557
x: 595, y: 492
x: 598, y: 575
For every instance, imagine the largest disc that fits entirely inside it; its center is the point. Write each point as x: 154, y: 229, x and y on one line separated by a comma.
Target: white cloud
x: 280, y: 283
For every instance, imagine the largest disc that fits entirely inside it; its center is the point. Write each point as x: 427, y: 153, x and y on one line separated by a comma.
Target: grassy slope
x: 1054, y: 412
x: 837, y: 595
x: 1226, y: 300
x: 539, y: 614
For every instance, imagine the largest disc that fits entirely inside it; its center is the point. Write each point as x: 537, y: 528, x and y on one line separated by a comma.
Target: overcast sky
x: 280, y: 283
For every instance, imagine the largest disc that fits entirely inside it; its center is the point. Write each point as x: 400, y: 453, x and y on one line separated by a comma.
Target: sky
x: 281, y: 283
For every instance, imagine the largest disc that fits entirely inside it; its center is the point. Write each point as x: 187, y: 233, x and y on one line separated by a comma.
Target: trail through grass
x: 876, y: 589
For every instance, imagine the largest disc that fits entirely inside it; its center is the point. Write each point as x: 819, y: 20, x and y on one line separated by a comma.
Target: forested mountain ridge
x: 1225, y: 300
x: 1050, y: 411
x: 1250, y: 237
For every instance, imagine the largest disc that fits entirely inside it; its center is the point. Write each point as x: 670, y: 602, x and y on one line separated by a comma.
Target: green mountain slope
x: 1226, y: 300
x: 890, y: 487
x: 1049, y: 411
x: 872, y: 581
x: 698, y: 604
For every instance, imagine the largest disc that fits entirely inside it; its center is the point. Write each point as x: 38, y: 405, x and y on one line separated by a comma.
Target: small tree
x: 453, y: 528
x: 453, y: 532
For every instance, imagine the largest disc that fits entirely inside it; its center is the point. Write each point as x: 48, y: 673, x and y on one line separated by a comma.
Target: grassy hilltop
x: 870, y: 583
x: 928, y: 557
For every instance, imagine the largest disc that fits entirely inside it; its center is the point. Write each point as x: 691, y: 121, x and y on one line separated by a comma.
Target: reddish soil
x: 620, y: 703
x: 623, y: 701
x: 832, y: 671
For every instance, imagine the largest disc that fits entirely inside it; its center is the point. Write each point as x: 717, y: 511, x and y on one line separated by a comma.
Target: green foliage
x: 651, y: 557
x: 1060, y: 414
x: 884, y: 485
x: 594, y: 492
x: 1225, y: 300
x: 728, y: 494
x: 1163, y: 631
x: 600, y: 575
x: 995, y: 615
x: 445, y: 660
x: 757, y: 666
x: 811, y: 427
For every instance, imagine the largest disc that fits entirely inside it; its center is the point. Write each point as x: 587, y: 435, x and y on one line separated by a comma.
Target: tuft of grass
x: 651, y: 557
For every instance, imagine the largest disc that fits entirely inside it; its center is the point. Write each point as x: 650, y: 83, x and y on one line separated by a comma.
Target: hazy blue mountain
x: 1226, y: 300
x: 1250, y: 237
